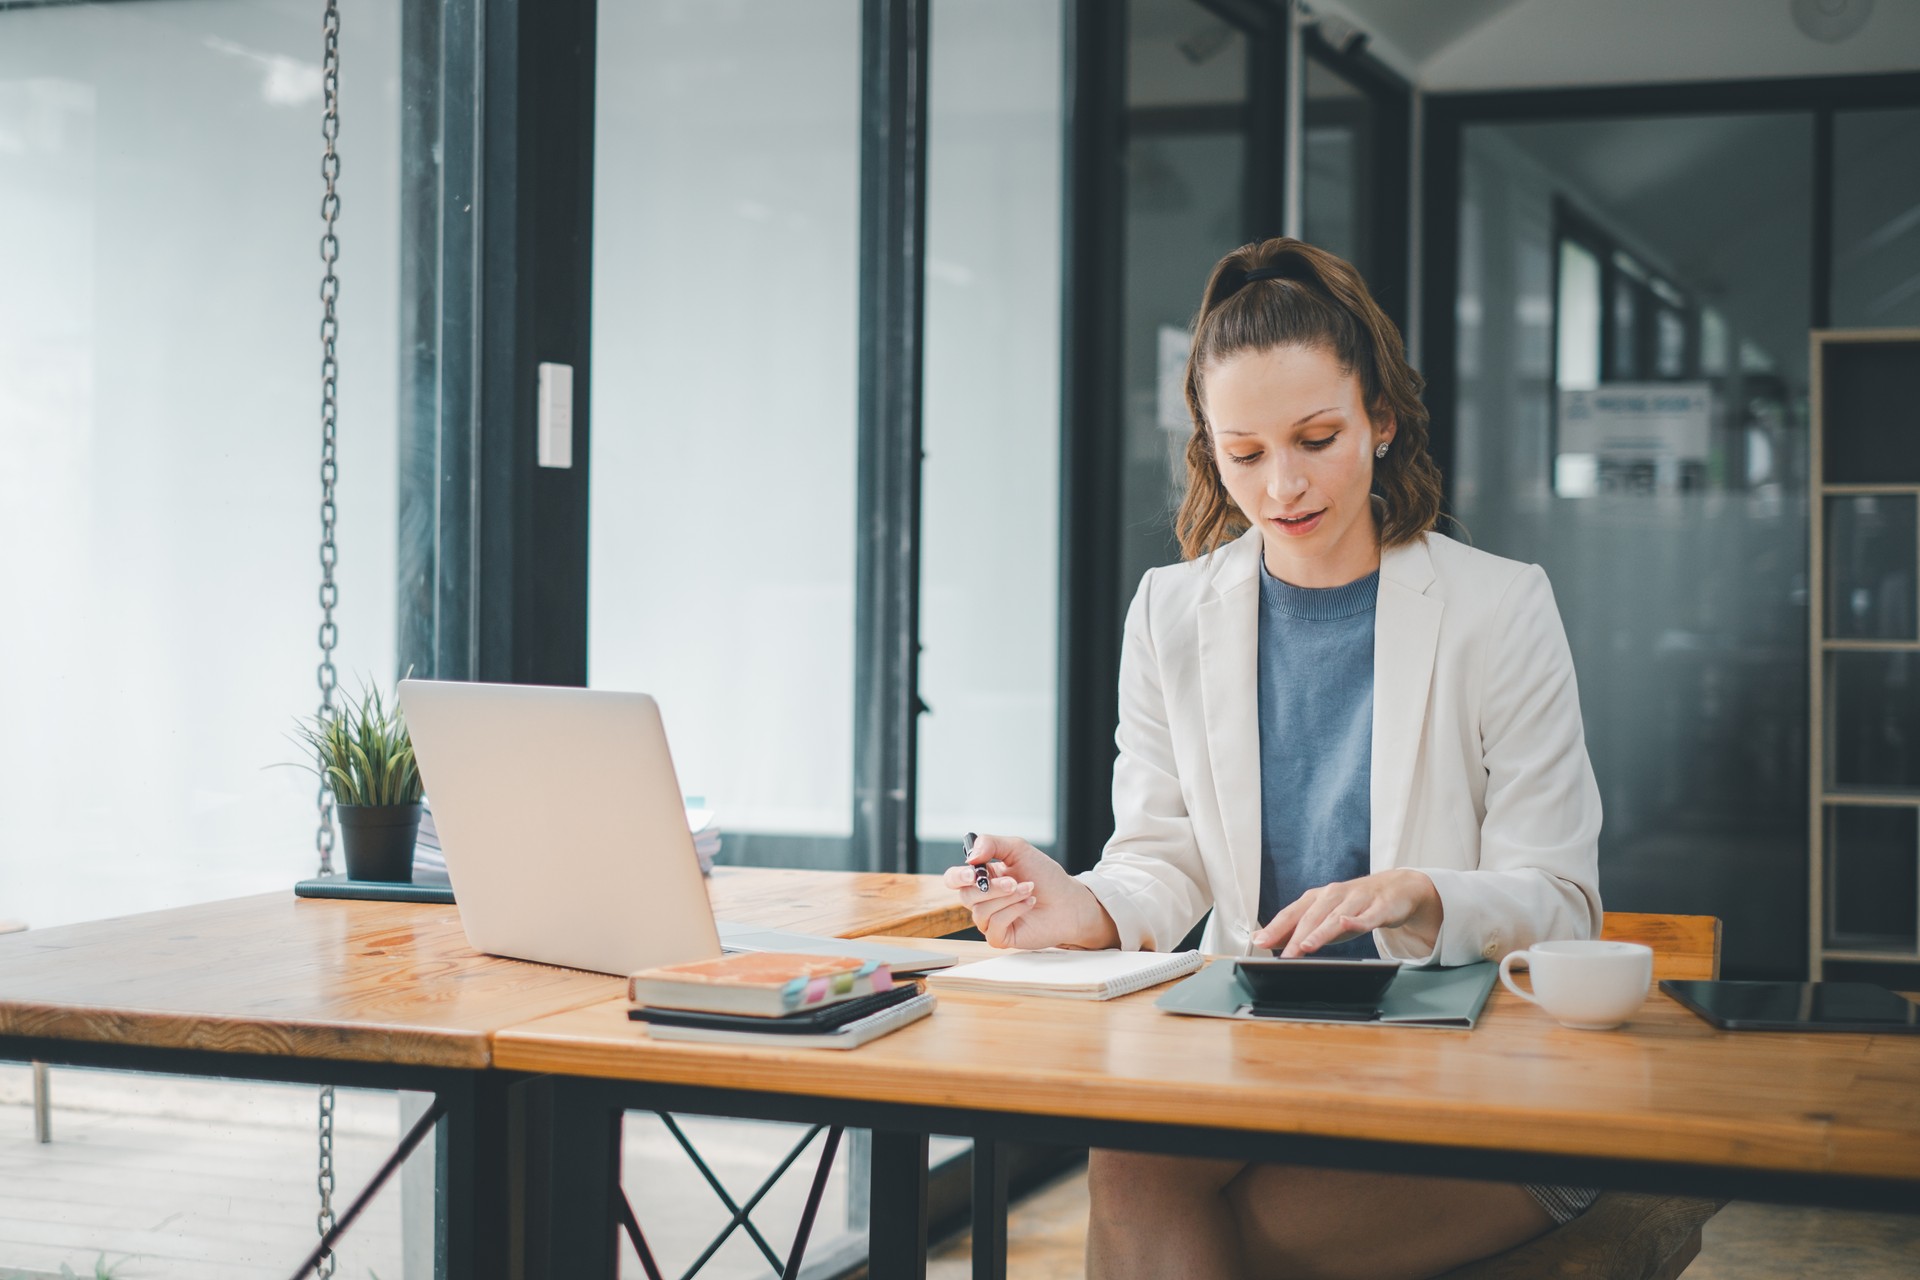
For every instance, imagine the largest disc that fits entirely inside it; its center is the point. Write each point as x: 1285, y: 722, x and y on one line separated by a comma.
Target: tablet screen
x: 1318, y: 985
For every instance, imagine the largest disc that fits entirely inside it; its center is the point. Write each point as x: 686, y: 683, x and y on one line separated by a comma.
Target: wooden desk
x: 368, y: 994
x: 1667, y: 1103
x: 384, y: 982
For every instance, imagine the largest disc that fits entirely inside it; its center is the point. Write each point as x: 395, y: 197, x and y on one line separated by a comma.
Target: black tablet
x: 1349, y: 989
x: 1797, y: 1006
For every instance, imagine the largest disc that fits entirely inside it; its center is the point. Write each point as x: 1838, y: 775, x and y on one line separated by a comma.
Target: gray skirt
x: 1563, y: 1204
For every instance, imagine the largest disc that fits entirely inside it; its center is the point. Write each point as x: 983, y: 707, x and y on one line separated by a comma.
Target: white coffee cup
x: 1592, y: 986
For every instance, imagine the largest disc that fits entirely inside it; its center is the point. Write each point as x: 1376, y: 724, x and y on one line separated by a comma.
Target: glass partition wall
x: 1631, y: 369
x: 1188, y: 148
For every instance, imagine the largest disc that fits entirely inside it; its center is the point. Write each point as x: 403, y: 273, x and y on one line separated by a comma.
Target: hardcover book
x: 765, y: 984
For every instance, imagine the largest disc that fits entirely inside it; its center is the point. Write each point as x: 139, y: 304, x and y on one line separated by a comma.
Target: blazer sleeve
x: 1539, y: 870
x: 1150, y: 877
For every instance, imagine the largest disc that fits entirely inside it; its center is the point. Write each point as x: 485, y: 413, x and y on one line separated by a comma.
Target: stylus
x: 982, y: 877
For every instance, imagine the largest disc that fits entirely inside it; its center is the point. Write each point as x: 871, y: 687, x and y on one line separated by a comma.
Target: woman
x: 1343, y: 733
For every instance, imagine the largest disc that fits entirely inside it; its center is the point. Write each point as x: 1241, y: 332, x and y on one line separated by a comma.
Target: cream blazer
x: 1480, y: 774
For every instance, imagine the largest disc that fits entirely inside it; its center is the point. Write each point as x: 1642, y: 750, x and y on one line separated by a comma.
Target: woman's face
x: 1295, y: 451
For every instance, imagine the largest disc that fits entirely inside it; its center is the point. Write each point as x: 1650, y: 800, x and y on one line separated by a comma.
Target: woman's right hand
x: 1030, y: 902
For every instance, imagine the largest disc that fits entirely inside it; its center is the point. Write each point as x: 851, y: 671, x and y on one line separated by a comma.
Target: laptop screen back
x: 562, y: 823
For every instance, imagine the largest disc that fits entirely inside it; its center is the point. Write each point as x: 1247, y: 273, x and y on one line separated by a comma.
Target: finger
x: 985, y: 847
x: 998, y: 894
x: 962, y: 877
x: 1312, y: 909
x: 999, y: 930
x: 1334, y: 926
x: 1281, y: 927
x: 990, y: 907
x: 1316, y: 917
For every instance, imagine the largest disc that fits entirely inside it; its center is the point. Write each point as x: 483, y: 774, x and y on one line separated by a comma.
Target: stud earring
x: 1381, y: 452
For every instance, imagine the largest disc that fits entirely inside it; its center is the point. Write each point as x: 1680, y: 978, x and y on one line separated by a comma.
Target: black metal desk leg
x: 897, y: 1222
x: 472, y: 1180
x: 989, y: 1210
x: 571, y: 1131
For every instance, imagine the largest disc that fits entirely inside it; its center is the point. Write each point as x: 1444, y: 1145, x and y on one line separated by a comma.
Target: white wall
x: 159, y: 438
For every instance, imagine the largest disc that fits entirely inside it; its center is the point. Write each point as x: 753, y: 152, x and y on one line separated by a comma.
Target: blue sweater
x: 1316, y: 741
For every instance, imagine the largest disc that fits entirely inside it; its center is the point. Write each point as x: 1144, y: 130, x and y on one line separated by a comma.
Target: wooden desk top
x: 369, y: 981
x: 1666, y: 1087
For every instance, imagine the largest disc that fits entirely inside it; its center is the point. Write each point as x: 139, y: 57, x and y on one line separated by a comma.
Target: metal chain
x: 327, y: 677
x: 324, y: 1221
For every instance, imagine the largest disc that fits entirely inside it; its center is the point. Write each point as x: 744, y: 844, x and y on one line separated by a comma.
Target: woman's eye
x: 1321, y: 443
x: 1245, y: 459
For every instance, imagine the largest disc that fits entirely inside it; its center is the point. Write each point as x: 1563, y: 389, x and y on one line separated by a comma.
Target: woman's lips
x: 1297, y: 528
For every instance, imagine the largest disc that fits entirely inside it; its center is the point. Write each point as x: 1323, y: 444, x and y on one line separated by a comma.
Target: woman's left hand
x: 1399, y: 899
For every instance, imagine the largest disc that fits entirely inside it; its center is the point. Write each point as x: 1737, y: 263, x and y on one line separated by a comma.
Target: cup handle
x: 1506, y: 974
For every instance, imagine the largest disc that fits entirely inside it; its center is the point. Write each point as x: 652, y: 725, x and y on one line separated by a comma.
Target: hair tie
x: 1291, y: 267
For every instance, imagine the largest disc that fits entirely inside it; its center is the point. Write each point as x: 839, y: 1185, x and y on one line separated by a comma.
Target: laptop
x: 565, y: 833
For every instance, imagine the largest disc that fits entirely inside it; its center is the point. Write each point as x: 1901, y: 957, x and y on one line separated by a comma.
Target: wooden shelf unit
x: 1869, y: 416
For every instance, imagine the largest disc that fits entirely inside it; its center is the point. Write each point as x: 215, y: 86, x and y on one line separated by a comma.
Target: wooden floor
x: 1744, y: 1241
x: 214, y: 1180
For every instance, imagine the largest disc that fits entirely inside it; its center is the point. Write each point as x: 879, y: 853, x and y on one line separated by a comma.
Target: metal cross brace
x: 741, y: 1212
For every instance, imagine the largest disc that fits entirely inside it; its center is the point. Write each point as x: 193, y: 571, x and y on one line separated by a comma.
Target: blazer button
x: 1491, y: 950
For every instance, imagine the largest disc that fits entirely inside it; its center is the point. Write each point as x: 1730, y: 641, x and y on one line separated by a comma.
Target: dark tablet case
x: 808, y: 1022
x: 1797, y: 1006
x: 1418, y: 997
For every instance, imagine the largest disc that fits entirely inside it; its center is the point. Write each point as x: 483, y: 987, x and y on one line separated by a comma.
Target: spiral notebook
x: 1076, y: 975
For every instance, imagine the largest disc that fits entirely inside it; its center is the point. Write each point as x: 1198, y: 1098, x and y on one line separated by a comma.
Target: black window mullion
x: 1822, y: 224
x: 1091, y: 442
x: 893, y: 219
x: 491, y: 542
x: 449, y: 498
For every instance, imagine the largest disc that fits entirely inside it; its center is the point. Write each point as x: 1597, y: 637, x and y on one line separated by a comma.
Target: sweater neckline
x: 1319, y: 603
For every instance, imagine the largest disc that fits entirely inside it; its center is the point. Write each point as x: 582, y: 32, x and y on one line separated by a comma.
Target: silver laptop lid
x: 562, y: 823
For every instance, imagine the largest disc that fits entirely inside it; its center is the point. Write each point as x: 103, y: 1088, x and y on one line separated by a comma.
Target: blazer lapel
x: 1406, y: 636
x: 1229, y: 634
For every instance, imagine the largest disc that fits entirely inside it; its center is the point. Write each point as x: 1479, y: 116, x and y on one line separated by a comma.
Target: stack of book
x: 429, y: 863
x: 706, y: 834
x: 775, y: 998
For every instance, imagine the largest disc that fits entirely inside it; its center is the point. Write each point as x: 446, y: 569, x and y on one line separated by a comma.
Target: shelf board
x: 1872, y: 957
x: 1894, y: 799
x: 1870, y: 646
x: 1869, y: 490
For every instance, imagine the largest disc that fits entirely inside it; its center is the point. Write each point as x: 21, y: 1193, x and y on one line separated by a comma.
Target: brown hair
x: 1306, y: 297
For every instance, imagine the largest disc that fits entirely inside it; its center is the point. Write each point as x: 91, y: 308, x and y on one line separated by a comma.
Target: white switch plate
x: 556, y: 415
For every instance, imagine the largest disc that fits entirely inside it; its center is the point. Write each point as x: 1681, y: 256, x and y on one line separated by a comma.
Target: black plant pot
x: 378, y: 840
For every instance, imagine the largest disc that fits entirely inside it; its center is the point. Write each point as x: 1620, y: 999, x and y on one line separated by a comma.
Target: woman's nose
x: 1283, y: 484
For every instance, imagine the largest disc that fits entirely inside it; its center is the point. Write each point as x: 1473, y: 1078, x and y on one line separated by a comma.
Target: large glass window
x: 1185, y: 206
x: 1678, y: 547
x: 990, y: 519
x: 1876, y: 219
x: 721, y: 552
x: 159, y: 416
x: 1338, y: 204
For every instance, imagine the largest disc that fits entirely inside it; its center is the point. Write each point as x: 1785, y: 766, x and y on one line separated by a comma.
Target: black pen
x: 982, y: 878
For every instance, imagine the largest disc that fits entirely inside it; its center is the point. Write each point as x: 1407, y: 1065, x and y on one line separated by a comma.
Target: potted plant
x: 365, y: 757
